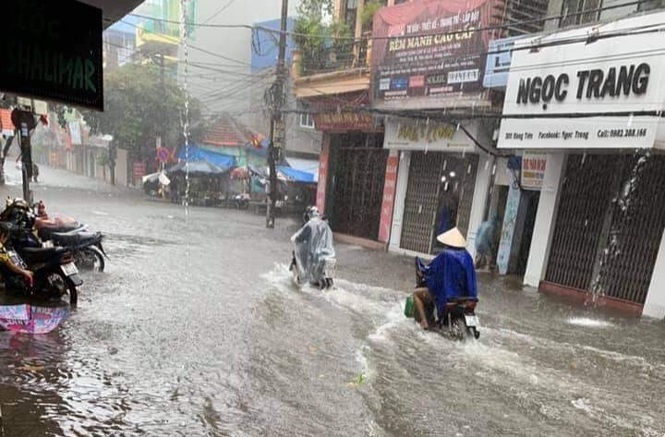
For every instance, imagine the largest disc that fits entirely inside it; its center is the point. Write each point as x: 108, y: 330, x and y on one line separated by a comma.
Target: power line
x: 222, y: 9
x: 375, y: 38
x: 193, y: 47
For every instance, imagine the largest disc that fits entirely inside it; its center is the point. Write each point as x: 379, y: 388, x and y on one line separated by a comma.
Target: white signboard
x: 600, y: 91
x: 533, y: 171
x: 435, y: 137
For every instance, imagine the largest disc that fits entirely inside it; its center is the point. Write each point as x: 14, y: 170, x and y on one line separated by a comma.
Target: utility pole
x: 277, y: 120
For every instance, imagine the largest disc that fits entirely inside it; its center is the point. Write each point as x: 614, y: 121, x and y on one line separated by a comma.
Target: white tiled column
x: 400, y: 198
x: 480, y: 198
x: 545, y: 220
x: 655, y: 303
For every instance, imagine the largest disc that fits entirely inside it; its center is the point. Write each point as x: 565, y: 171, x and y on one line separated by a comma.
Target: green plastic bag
x: 409, y: 309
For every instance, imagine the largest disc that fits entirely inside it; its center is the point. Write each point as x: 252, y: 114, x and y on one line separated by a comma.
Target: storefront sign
x: 426, y: 51
x: 389, y: 187
x: 574, y: 95
x: 332, y: 121
x: 533, y: 171
x: 498, y: 62
x: 323, y: 174
x: 407, y: 135
x: 53, y: 50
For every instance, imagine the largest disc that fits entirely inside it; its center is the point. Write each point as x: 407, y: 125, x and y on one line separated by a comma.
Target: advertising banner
x: 533, y: 170
x: 388, y: 202
x: 589, y: 88
x: 424, y: 52
x: 497, y: 67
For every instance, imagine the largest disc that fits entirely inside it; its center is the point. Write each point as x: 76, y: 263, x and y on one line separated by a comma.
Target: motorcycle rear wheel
x: 91, y: 255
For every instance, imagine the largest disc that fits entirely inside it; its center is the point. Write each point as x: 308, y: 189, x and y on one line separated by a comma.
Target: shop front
x: 599, y: 225
x: 352, y: 173
x: 442, y: 182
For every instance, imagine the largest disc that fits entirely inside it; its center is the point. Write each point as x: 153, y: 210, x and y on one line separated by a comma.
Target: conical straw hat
x: 452, y: 238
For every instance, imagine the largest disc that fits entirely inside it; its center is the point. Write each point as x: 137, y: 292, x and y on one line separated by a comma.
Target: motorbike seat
x: 47, y: 232
x: 80, y: 238
x: 40, y: 254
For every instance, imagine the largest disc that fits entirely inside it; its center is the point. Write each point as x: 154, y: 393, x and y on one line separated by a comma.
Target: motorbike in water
x: 313, y: 258
x: 35, y: 231
x: 458, y: 319
x: 322, y: 275
x: 55, y: 274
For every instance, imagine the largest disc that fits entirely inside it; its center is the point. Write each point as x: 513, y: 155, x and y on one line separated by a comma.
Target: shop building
x: 593, y: 105
x: 442, y: 182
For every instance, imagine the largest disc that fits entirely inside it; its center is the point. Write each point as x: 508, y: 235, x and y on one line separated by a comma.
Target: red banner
x: 323, y: 174
x: 429, y: 49
x: 389, y: 187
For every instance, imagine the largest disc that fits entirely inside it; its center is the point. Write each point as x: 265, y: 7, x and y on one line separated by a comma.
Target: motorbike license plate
x: 69, y: 269
x: 329, y: 270
x: 471, y: 321
x: 47, y: 244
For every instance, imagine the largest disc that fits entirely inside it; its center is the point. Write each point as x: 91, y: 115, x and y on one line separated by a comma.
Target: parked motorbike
x: 458, y: 320
x: 86, y: 247
x: 55, y: 273
x: 241, y: 201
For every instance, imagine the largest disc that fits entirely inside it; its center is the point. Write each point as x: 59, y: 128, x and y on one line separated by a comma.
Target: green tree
x: 325, y: 44
x: 138, y: 108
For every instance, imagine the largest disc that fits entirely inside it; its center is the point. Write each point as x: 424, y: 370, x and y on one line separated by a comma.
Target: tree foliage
x: 138, y: 109
x: 325, y: 44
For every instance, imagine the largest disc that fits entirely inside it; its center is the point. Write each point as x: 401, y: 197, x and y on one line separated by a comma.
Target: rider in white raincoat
x: 313, y: 247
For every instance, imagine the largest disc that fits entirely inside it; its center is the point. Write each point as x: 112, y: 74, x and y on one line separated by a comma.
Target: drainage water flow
x: 185, y: 86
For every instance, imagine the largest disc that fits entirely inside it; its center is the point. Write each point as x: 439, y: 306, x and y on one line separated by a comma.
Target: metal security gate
x: 609, y: 225
x: 438, y: 183
x: 359, y: 167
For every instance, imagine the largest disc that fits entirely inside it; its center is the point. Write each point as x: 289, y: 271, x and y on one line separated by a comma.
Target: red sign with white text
x: 389, y: 187
x: 323, y: 176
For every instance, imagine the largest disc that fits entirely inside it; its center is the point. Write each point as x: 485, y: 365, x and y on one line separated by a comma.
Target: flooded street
x: 196, y: 330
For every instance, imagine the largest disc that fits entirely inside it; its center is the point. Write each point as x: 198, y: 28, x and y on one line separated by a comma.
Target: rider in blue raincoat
x: 450, y: 276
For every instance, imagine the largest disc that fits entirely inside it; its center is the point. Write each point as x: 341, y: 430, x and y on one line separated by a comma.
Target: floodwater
x: 196, y: 330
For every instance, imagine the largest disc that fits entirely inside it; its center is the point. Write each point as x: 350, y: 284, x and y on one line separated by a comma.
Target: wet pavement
x: 196, y: 330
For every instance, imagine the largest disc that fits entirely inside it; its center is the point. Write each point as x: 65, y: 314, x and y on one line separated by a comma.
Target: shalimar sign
x: 52, y: 50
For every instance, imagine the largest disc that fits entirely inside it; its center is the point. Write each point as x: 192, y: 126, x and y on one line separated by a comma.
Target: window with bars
x: 576, y: 12
x: 350, y: 13
x: 306, y: 120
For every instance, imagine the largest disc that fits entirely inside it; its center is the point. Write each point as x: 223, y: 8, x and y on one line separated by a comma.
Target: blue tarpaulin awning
x: 196, y: 154
x: 294, y: 175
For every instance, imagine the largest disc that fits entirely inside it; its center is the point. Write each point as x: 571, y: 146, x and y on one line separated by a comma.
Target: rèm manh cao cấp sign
x: 425, y: 52
x: 53, y: 51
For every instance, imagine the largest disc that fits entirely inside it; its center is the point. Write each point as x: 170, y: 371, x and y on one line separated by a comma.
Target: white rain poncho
x: 313, y: 246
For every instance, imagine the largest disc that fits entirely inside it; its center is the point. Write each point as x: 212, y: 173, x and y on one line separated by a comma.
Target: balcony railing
x: 352, y: 56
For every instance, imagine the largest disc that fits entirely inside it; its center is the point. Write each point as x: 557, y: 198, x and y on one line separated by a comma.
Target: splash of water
x: 589, y: 323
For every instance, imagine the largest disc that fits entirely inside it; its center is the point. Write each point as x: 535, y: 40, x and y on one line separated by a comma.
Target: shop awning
x: 198, y: 168
x: 293, y: 175
x: 305, y: 165
x: 198, y: 154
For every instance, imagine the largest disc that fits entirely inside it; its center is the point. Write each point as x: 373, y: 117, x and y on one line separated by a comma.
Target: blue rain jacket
x: 451, y: 275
